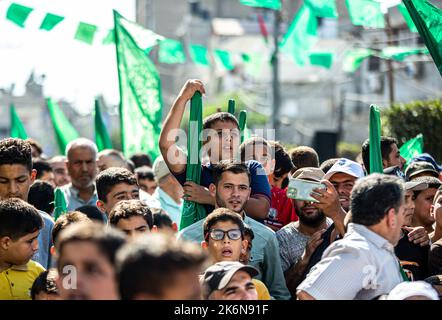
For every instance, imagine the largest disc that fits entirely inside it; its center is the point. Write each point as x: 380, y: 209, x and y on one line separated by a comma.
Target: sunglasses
x: 218, y: 234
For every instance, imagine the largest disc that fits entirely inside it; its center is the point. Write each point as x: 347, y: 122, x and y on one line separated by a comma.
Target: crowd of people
x: 365, y: 236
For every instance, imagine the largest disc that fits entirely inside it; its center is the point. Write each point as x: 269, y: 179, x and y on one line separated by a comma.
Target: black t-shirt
x: 413, y: 258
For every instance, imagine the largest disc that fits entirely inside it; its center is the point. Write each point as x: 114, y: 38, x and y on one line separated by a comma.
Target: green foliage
x: 348, y: 150
x: 405, y: 121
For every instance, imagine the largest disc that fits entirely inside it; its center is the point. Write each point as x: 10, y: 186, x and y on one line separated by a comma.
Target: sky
x: 75, y: 71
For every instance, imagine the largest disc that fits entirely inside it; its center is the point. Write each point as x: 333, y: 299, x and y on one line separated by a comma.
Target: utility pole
x: 275, y: 75
x: 390, y: 72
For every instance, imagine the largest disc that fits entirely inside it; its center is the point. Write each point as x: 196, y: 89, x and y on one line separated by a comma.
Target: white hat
x: 160, y: 169
x: 346, y: 166
x: 408, y: 289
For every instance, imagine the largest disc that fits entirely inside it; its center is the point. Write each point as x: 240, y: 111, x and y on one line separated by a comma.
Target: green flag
x: 171, y: 51
x: 60, y: 206
x: 366, y: 13
x: 270, y: 4
x: 18, y: 14
x: 109, y: 39
x: 199, y: 54
x: 323, y: 59
x: 85, y: 32
x: 253, y: 63
x: 245, y: 134
x: 224, y: 59
x: 301, y: 36
x: 140, y: 93
x: 50, y: 21
x: 231, y: 106
x: 102, y: 139
x: 17, y: 128
x: 428, y: 20
x: 353, y: 59
x: 323, y: 8
x: 192, y: 211
x: 64, y: 131
x: 400, y: 53
x: 375, y: 140
x: 412, y: 148
x: 403, y: 9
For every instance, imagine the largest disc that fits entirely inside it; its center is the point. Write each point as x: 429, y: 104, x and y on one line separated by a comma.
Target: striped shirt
x: 361, y: 266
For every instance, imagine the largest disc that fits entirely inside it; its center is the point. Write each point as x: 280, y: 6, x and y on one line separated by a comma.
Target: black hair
x: 327, y: 164
x: 110, y: 177
x: 18, y: 219
x: 209, y: 121
x: 66, y: 220
x: 130, y: 208
x: 373, y: 196
x: 283, y: 162
x: 41, y: 196
x: 92, y: 212
x: 16, y: 151
x: 45, y: 282
x: 386, y: 143
x: 222, y: 214
x: 161, y: 219
x: 35, y: 144
x: 228, y: 166
x: 145, y: 172
x: 41, y: 166
x: 141, y: 159
x: 304, y: 156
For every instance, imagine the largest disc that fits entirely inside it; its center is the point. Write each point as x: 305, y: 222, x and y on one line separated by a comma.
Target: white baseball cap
x: 407, y: 289
x: 346, y: 166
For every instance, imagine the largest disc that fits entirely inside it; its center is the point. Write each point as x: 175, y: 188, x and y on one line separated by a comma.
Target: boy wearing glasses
x: 224, y: 239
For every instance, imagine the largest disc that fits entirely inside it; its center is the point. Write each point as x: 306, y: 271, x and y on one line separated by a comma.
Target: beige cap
x: 309, y: 173
x: 160, y: 169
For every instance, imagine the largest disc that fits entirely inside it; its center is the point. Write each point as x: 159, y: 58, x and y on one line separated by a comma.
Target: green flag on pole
x: 323, y: 59
x: 224, y: 59
x: 412, y: 148
x: 245, y: 134
x: 60, y: 206
x: 171, y: 51
x: 375, y: 140
x: 17, y: 128
x: 64, y: 131
x: 18, y: 14
x: 403, y: 9
x: 192, y: 211
x: 366, y: 13
x: 400, y: 53
x: 231, y: 106
x: 270, y: 4
x: 109, y: 39
x: 140, y: 93
x: 85, y: 32
x: 353, y: 59
x: 102, y: 139
x: 50, y: 21
x: 301, y: 36
x: 428, y: 20
x: 199, y: 54
x: 323, y: 8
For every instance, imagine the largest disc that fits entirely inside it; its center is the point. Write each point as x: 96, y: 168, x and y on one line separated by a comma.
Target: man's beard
x: 222, y: 204
x: 311, y: 221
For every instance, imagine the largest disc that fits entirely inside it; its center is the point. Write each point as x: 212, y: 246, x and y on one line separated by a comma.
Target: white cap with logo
x: 346, y: 166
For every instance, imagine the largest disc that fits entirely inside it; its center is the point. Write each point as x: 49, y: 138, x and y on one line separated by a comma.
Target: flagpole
x: 275, y: 75
x: 390, y: 72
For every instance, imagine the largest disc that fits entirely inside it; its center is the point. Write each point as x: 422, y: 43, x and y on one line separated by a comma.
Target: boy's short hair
x: 130, y: 208
x: 41, y: 166
x: 110, y: 177
x: 228, y: 166
x: 145, y: 172
x: 66, y: 220
x: 161, y: 219
x: 304, y: 156
x: 148, y: 264
x: 141, y: 159
x: 209, y: 121
x: 432, y: 182
x: 41, y: 196
x: 45, y: 282
x: 18, y: 219
x: 107, y: 240
x: 222, y: 214
x: 16, y: 151
x: 386, y: 143
x: 37, y: 146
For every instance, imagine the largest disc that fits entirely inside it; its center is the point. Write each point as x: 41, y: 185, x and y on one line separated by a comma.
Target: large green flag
x: 412, y: 148
x: 270, y: 4
x: 140, y: 92
x: 400, y: 53
x: 171, y: 51
x: 192, y: 211
x: 353, y: 59
x: 403, y: 9
x: 301, y: 36
x: 60, y: 206
x: 199, y: 54
x: 17, y: 128
x: 375, y: 141
x: 428, y: 20
x: 64, y: 131
x: 102, y: 139
x: 18, y: 14
x: 323, y: 8
x: 50, y: 21
x: 366, y: 13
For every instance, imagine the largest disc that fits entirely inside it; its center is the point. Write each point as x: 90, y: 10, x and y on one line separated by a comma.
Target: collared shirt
x: 264, y: 255
x: 43, y: 254
x: 73, y: 201
x: 169, y: 205
x: 360, y: 266
x: 16, y: 281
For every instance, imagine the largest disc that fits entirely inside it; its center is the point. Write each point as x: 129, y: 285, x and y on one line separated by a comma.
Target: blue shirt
x: 264, y: 256
x: 43, y: 255
x: 73, y: 201
x: 169, y: 205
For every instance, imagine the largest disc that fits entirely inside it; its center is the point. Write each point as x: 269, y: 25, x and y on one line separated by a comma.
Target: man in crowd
x: 231, y: 189
x: 132, y: 217
x: 111, y: 158
x: 423, y: 200
x: 389, y: 151
x: 146, y: 179
x: 141, y: 160
x: 155, y: 267
x: 221, y: 131
x: 303, y: 157
x: 41, y: 196
x: 363, y: 264
x: 16, y: 178
x: 44, y: 171
x: 61, y: 175
x: 82, y: 168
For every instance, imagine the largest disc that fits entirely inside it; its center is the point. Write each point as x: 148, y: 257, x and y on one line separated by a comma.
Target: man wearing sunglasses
x: 231, y: 190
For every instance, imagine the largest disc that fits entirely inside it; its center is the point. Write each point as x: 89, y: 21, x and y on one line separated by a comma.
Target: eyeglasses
x: 218, y: 234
